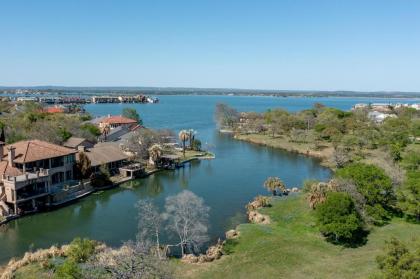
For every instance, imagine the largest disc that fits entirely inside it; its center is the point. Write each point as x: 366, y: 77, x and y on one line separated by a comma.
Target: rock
x: 203, y: 259
x: 189, y: 258
x: 258, y: 218
x: 215, y: 252
x: 295, y: 190
x: 232, y: 234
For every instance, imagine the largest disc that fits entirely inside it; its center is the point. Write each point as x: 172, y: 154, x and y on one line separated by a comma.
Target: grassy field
x: 292, y: 247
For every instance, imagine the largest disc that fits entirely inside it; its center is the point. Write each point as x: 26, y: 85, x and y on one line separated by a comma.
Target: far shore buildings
x: 378, y: 112
x: 114, y: 127
x: 31, y: 173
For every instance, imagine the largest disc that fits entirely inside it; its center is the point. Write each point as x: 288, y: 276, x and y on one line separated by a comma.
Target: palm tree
x: 318, y: 192
x: 155, y: 152
x: 274, y: 183
x: 183, y: 136
x: 105, y: 131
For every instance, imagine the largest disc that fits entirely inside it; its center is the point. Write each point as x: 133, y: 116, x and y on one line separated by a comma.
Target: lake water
x: 226, y: 183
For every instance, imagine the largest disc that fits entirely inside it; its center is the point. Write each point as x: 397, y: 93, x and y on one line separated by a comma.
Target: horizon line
x: 204, y: 88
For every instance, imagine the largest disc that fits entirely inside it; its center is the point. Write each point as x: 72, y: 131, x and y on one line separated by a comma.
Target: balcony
x: 31, y: 194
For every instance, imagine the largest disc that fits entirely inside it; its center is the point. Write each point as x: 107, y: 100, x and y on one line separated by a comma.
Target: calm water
x: 226, y: 183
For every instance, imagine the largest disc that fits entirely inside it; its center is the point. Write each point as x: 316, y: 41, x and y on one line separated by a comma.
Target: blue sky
x: 313, y: 45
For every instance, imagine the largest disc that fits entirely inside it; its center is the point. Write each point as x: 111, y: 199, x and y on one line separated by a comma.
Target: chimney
x: 11, y: 155
x: 81, y: 148
x: 1, y: 150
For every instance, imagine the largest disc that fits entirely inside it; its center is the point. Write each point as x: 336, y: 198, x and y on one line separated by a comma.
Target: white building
x: 379, y: 117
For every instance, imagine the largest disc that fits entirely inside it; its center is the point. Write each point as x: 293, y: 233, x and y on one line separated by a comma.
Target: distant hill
x: 205, y: 91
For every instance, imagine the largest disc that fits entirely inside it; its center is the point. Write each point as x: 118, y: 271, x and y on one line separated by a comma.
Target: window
x: 57, y: 177
x: 69, y: 175
x: 57, y: 162
x: 70, y: 159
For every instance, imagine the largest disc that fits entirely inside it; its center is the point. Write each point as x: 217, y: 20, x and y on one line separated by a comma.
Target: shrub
x: 68, y: 270
x: 92, y: 129
x: 81, y: 249
x: 338, y: 219
x: 398, y: 261
x: 101, y: 179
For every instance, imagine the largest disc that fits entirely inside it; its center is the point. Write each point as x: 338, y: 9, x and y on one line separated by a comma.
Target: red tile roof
x: 53, y: 110
x: 118, y: 119
x: 6, y: 169
x: 34, y: 150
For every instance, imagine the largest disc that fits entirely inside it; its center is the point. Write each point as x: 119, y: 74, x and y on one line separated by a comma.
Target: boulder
x: 258, y: 218
x: 214, y: 252
x: 232, y: 234
x: 189, y: 258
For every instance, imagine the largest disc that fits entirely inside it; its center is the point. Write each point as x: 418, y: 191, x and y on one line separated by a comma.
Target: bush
x: 68, y: 270
x: 409, y: 197
x: 196, y: 145
x: 375, y: 186
x: 101, y: 179
x: 81, y: 249
x: 338, y: 219
x: 398, y: 261
x: 92, y: 129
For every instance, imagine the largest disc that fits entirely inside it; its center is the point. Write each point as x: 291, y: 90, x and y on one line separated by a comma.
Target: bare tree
x: 187, y: 216
x: 142, y: 140
x: 341, y: 156
x: 225, y: 116
x: 149, y: 224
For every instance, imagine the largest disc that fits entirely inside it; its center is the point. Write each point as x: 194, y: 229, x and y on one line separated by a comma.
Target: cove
x: 226, y: 183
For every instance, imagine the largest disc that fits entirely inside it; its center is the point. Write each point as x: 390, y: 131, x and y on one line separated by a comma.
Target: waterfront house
x: 31, y: 172
x: 105, y: 153
x: 114, y: 121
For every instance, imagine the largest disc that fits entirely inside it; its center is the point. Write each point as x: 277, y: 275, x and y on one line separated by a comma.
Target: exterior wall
x: 12, y: 185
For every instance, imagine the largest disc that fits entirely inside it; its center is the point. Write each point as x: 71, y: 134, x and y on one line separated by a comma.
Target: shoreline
x: 117, y: 183
x: 323, y: 155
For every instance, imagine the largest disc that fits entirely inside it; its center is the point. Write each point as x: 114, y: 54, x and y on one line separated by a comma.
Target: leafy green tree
x: 375, y: 186
x: 64, y: 134
x: 409, y: 196
x: 338, y: 219
x: 132, y: 114
x: 399, y: 261
x: 196, y: 145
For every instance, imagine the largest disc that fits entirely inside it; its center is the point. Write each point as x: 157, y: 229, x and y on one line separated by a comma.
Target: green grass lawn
x: 292, y: 247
